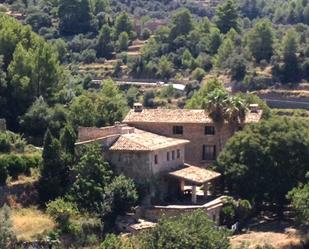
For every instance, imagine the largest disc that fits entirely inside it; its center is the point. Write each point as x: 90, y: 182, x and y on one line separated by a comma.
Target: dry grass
x: 277, y: 234
x: 29, y: 223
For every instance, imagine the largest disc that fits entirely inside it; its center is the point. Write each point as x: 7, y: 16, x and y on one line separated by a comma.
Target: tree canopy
x: 266, y: 160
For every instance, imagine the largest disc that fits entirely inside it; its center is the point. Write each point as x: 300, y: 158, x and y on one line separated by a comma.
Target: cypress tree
x: 54, y: 172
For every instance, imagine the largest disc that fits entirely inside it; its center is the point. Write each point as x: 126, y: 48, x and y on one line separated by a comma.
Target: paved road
x: 141, y: 83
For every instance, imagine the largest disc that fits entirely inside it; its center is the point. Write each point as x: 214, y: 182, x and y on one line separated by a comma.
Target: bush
x: 61, y: 211
x: 193, y: 230
x: 198, y: 74
x: 5, y: 145
x: 15, y: 165
x: 88, y: 56
x: 146, y: 34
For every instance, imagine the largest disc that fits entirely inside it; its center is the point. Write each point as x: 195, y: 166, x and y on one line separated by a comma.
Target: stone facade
x: 145, y: 157
x: 195, y: 133
x: 206, y: 138
x: 2, y: 124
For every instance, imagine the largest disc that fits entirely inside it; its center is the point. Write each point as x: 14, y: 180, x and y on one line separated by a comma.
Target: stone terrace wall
x: 2, y: 124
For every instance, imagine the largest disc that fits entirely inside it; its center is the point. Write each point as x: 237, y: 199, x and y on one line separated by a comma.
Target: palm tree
x: 216, y: 104
x: 236, y: 112
x: 222, y: 107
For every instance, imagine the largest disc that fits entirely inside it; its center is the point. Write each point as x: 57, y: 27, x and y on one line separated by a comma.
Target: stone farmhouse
x: 163, y: 150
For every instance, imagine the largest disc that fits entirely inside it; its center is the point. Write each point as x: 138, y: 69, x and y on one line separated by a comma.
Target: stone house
x: 143, y: 156
x: 156, y: 163
x: 206, y: 138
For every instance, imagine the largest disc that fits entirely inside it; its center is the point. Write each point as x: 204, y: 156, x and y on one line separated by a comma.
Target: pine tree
x: 260, y: 41
x: 74, y: 16
x: 104, y: 46
x: 227, y: 16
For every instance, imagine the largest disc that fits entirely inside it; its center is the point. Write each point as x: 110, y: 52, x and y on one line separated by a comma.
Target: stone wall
x: 2, y: 124
x: 135, y: 165
x: 155, y: 213
x: 193, y: 132
x: 92, y: 133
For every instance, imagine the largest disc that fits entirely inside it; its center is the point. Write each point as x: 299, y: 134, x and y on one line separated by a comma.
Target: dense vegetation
x: 46, y: 92
x: 266, y: 160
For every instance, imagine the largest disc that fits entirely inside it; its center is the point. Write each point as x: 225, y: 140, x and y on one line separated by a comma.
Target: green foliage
x: 224, y: 51
x: 182, y: 23
x: 260, y: 41
x: 54, y: 178
x: 31, y: 66
x: 5, y: 145
x: 61, y: 211
x: 148, y: 100
x: 227, y: 16
x: 196, y: 102
x: 105, y: 46
x: 234, y: 210
x: 165, y: 68
x: 251, y: 158
x: 93, y: 176
x: 7, y: 236
x: 123, y: 41
x: 187, y: 59
x: 74, y: 16
x: 146, y: 34
x: 299, y: 197
x: 108, y: 106
x: 67, y: 139
x: 132, y: 96
x: 124, y: 194
x: 123, y: 24
x: 193, y: 230
x: 290, y: 69
x: 198, y: 74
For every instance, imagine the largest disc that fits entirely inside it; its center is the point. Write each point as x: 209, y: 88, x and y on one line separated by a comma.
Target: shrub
x: 146, y: 34
x: 16, y: 165
x: 198, y: 74
x: 5, y: 145
x: 61, y: 211
x: 88, y: 56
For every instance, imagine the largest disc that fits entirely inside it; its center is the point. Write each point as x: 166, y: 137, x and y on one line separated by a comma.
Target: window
x: 178, y: 153
x: 156, y: 159
x: 173, y: 155
x: 167, y: 156
x: 209, y: 152
x: 209, y: 130
x: 177, y: 130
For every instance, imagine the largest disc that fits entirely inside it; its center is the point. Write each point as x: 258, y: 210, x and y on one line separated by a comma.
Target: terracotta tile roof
x: 195, y: 174
x: 144, y: 141
x: 177, y: 116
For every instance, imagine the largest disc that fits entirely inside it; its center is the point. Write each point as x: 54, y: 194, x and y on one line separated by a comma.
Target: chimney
x: 138, y: 107
x: 254, y: 108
